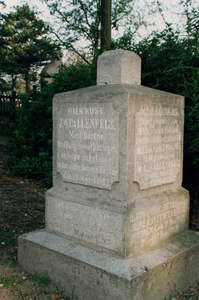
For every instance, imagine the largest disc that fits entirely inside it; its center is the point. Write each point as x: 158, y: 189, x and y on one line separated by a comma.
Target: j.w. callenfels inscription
x: 158, y: 143
x: 84, y: 152
x: 117, y: 217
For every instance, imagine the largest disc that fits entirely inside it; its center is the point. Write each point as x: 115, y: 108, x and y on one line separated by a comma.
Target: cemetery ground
x: 22, y: 209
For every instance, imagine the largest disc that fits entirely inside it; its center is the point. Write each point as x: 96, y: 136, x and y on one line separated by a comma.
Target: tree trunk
x: 105, y: 24
x: 14, y: 79
x: 27, y: 80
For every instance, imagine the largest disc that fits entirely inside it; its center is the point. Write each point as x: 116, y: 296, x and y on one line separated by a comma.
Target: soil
x: 22, y: 209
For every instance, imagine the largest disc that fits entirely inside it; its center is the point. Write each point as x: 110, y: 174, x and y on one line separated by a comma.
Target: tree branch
x: 72, y: 47
x: 161, y: 13
x: 80, y: 55
x: 126, y: 13
x: 85, y: 12
x: 64, y: 18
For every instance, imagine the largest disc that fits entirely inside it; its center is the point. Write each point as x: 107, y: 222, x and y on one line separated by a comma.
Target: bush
x: 32, y: 138
x: 171, y: 63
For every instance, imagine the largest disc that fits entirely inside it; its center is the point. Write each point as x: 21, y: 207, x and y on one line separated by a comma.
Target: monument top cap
x: 119, y: 67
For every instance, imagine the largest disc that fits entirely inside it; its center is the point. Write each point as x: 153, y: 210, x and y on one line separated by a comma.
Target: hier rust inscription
x: 88, y: 144
x: 158, y: 144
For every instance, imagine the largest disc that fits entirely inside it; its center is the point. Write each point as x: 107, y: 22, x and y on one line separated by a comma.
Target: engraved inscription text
x: 88, y: 144
x: 158, y: 144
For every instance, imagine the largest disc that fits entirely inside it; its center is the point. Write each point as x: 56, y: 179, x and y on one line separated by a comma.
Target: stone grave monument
x: 117, y: 218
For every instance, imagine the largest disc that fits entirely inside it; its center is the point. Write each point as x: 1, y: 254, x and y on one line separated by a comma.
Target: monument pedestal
x: 113, y: 227
x: 152, y: 275
x: 117, y: 217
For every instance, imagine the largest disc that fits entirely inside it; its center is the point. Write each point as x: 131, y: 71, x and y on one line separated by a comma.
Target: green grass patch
x: 9, y: 281
x: 42, y: 279
x: 6, y: 237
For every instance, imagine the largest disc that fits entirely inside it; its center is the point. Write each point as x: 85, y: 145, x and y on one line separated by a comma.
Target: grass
x: 6, y: 237
x: 42, y: 279
x: 32, y: 286
x: 9, y: 281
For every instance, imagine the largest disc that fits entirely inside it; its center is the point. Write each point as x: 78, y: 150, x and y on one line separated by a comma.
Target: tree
x: 32, y: 137
x: 2, y: 3
x: 25, y: 43
x: 105, y: 24
x: 170, y: 62
x: 80, y: 21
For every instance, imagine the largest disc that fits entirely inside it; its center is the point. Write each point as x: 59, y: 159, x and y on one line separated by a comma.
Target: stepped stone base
x: 152, y: 275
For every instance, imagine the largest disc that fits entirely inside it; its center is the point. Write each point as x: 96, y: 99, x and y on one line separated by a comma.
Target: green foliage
x: 32, y: 140
x: 25, y: 43
x: 171, y: 63
x: 43, y: 279
x: 73, y: 77
x: 5, y: 126
x: 2, y: 3
x: 4, y: 85
x: 9, y: 281
x: 6, y: 237
x: 32, y: 137
x: 192, y: 134
x: 80, y: 21
x: 73, y: 290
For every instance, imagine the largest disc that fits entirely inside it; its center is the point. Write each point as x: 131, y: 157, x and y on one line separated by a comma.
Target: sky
x: 32, y: 3
x: 171, y: 12
x: 10, y: 3
x: 170, y: 16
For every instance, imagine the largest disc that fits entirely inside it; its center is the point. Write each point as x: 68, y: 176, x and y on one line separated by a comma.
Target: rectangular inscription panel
x: 91, y: 224
x: 158, y: 223
x: 88, y: 144
x: 158, y: 144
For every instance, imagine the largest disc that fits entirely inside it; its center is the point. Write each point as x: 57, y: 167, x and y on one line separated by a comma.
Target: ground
x: 22, y: 210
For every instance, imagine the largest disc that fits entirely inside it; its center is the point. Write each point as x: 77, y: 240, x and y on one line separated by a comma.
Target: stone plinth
x: 112, y: 228
x: 117, y: 174
x: 152, y: 275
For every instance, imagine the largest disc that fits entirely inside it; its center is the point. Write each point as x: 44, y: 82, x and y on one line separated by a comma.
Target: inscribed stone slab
x: 163, y: 217
x: 88, y: 144
x: 158, y: 144
x: 91, y: 224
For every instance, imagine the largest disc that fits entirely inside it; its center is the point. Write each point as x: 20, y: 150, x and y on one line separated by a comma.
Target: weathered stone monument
x: 117, y: 218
